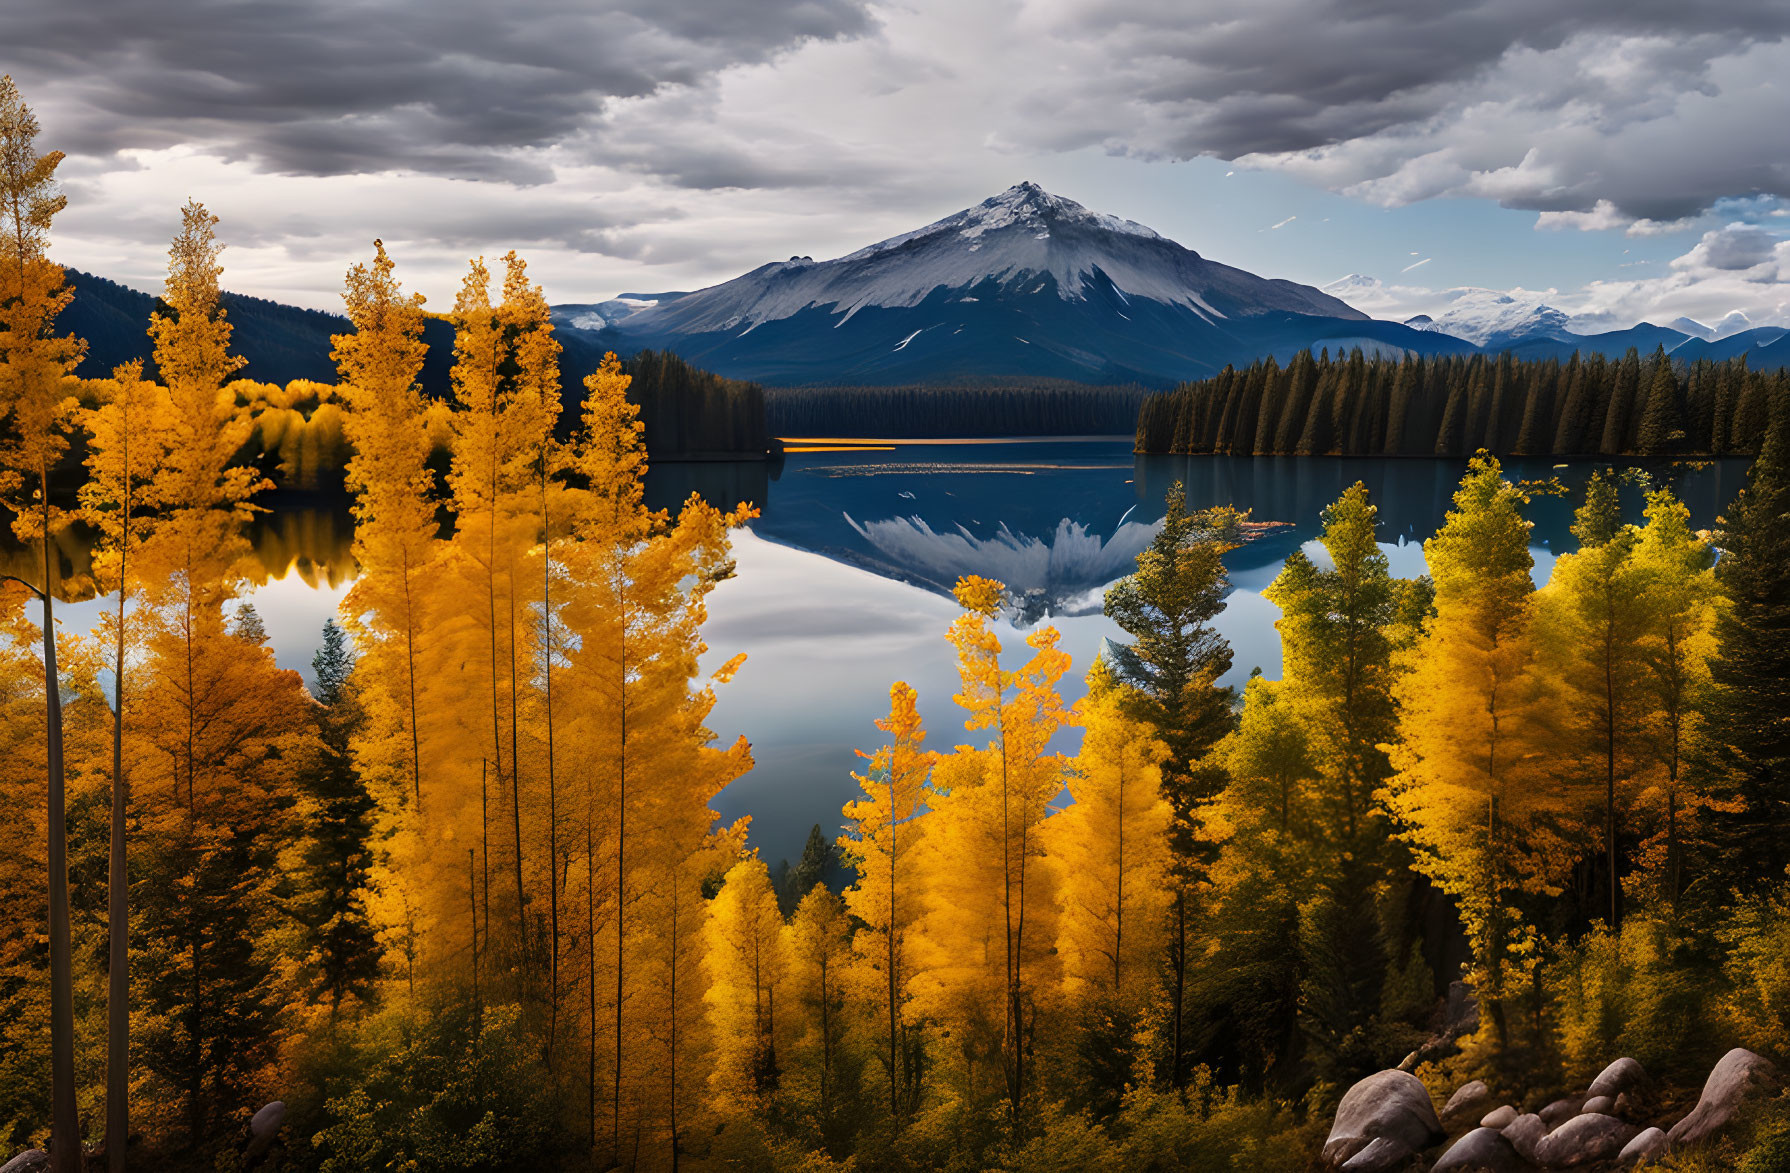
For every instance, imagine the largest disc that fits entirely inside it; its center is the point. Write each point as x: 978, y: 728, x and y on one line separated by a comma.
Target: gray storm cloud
x: 448, y: 87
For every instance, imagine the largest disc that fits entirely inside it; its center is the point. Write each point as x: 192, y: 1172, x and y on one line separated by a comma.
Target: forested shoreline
x: 465, y: 904
x: 1351, y: 405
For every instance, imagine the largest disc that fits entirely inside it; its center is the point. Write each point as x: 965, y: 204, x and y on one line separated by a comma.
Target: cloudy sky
x: 1624, y: 159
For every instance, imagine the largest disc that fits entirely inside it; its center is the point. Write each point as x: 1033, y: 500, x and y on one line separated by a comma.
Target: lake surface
x: 843, y: 583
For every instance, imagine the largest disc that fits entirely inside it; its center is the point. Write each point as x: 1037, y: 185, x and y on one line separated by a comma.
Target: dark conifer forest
x: 1454, y: 406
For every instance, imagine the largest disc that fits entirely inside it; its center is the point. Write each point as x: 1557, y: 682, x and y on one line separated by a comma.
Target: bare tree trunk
x: 118, y: 1014
x: 552, y: 797
x: 65, y: 1133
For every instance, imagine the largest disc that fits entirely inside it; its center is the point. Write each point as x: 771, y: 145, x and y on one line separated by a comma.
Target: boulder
x: 1628, y: 1106
x: 1468, y: 1098
x: 29, y: 1161
x: 264, y: 1131
x: 268, y: 1120
x: 1524, y: 1133
x: 1599, y: 1106
x: 1499, y: 1118
x: 1390, y: 1105
x: 1481, y: 1151
x: 1561, y: 1111
x: 1621, y: 1076
x: 1734, y: 1080
x: 1647, y: 1146
x: 1383, y: 1154
x: 1584, y: 1140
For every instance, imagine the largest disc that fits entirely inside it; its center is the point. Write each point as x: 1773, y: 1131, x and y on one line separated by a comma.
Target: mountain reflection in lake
x: 843, y: 583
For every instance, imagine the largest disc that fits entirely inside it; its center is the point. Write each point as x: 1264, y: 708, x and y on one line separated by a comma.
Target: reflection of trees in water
x: 314, y: 541
x: 722, y: 483
x: 1413, y: 496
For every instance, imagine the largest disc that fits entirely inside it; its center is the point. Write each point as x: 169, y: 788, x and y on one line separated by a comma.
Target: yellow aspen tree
x: 631, y: 606
x: 36, y: 412
x: 1590, y: 621
x: 746, y: 961
x: 818, y: 945
x: 1467, y: 783
x: 127, y: 441
x: 1111, y: 849
x: 882, y: 847
x: 989, y: 931
x: 1678, y: 566
x: 394, y: 510
x: 505, y: 379
x: 408, y: 671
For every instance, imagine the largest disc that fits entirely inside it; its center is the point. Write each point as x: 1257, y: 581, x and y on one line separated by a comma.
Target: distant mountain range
x: 1025, y: 285
x: 1527, y: 326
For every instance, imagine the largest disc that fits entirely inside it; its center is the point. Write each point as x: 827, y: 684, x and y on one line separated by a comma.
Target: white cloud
x: 1739, y: 273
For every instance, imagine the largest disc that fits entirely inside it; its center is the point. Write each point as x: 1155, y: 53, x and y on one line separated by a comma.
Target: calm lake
x: 843, y: 583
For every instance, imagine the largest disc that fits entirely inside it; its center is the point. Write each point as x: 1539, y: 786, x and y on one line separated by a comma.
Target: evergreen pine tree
x: 1661, y: 428
x: 342, y: 951
x: 1747, y: 736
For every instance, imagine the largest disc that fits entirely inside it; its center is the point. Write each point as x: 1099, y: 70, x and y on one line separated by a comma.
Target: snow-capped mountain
x: 1494, y: 319
x: 1023, y: 284
x: 1694, y: 328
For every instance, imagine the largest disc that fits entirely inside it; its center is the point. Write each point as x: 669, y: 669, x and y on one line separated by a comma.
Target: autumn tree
x: 36, y: 414
x: 989, y: 928
x: 394, y: 508
x: 881, y: 847
x: 1591, y: 619
x: 1677, y: 565
x: 747, y: 962
x: 1111, y: 847
x: 127, y: 442
x: 1110, y: 851
x: 1466, y: 790
x: 631, y: 606
x: 818, y: 947
x: 505, y: 379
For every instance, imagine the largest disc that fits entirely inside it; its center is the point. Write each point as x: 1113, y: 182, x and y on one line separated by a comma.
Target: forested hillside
x: 1357, y: 406
x: 687, y: 411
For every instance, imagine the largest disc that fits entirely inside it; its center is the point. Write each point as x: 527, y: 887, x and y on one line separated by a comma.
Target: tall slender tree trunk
x: 621, y: 862
x: 552, y: 796
x: 1610, y: 768
x: 516, y: 783
x: 1119, y: 887
x: 118, y: 1014
x: 416, y: 746
x: 897, y: 1073
x: 65, y: 1147
x: 485, y: 841
x: 590, y: 936
x: 676, y: 911
x: 1180, y: 994
x: 472, y: 892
